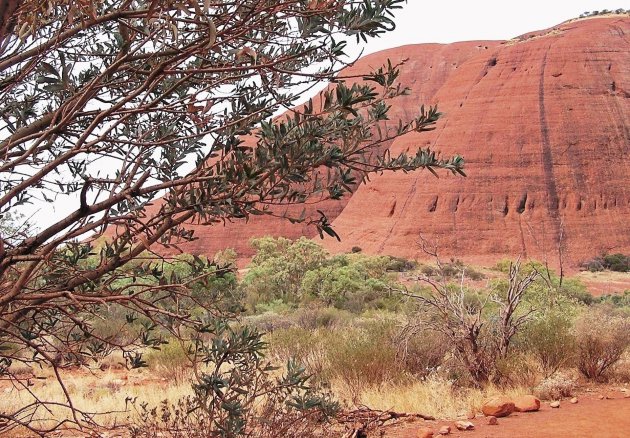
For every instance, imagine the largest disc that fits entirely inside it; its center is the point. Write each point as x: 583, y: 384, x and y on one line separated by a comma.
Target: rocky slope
x: 544, y: 124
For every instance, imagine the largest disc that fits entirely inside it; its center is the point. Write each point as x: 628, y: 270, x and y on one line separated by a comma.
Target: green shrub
x: 594, y: 265
x: 428, y: 270
x: 274, y: 306
x: 453, y: 269
x: 574, y: 289
x: 238, y: 393
x: 278, y: 268
x: 617, y: 262
x: 550, y: 339
x: 518, y: 369
x: 399, y: 264
x: 503, y: 265
x: 351, y: 282
x: 617, y: 300
x: 613, y: 262
x: 474, y: 274
x: 269, y: 321
x: 300, y: 272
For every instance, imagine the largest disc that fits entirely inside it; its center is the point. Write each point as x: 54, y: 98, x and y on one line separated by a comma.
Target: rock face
x: 543, y: 122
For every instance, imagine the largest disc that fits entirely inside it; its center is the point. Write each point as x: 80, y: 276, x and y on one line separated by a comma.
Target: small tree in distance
x: 480, y: 326
x: 119, y: 103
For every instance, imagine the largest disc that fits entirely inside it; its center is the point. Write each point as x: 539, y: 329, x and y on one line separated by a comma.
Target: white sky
x: 447, y: 21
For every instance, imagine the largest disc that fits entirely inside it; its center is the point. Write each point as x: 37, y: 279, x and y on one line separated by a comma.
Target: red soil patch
x: 608, y: 418
x: 597, y: 288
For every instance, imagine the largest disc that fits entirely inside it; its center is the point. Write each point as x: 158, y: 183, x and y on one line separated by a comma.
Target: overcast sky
x: 447, y: 21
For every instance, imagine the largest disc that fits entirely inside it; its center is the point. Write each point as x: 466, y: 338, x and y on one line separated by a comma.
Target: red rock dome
x: 543, y: 122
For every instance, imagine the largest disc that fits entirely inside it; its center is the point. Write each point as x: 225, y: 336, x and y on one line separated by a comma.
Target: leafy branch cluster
x: 147, y: 116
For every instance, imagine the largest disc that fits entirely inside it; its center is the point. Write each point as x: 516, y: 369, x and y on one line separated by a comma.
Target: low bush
x: 314, y: 317
x: 428, y: 270
x: 603, y: 336
x: 170, y: 362
x: 308, y: 347
x: 556, y: 386
x: 620, y: 372
x: 238, y: 393
x: 617, y: 262
x: 399, y: 264
x: 604, y: 12
x: 613, y: 262
x: 269, y: 322
x: 518, y: 369
x: 422, y: 354
x: 453, y: 269
x: 362, y: 358
x: 616, y: 300
x: 550, y: 339
x: 300, y: 273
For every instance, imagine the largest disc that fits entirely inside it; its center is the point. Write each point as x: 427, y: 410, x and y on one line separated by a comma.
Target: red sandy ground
x: 591, y: 417
x: 598, y: 288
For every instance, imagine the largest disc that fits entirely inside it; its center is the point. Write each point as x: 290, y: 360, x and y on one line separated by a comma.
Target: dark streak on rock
x: 547, y: 156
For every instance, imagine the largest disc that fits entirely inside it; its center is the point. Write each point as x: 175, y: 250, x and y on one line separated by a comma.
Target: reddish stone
x: 445, y: 430
x: 526, y: 403
x: 498, y: 407
x: 424, y: 433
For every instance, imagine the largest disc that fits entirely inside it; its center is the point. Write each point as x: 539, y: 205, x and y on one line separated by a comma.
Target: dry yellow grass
x: 435, y: 396
x: 106, y: 391
x: 102, y: 391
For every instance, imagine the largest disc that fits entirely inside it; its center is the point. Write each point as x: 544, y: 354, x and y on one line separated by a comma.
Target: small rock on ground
x: 526, y: 403
x: 492, y: 421
x: 574, y: 400
x: 445, y: 430
x: 424, y: 433
x: 464, y: 425
x: 554, y: 404
x: 498, y: 407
